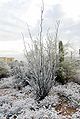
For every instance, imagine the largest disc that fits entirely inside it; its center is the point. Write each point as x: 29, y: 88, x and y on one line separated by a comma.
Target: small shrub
x: 4, y: 70
x: 18, y: 70
x: 69, y: 70
x: 66, y: 72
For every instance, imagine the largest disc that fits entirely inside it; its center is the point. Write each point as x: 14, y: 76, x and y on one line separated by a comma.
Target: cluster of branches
x: 42, y: 60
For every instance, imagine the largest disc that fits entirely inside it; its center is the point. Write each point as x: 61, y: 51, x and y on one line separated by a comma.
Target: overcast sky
x: 15, y: 13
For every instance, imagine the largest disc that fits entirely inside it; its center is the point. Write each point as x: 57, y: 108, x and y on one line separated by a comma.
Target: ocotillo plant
x: 41, y: 66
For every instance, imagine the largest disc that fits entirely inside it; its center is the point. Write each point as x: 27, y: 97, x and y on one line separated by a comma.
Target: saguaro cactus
x: 61, y: 52
x: 60, y: 71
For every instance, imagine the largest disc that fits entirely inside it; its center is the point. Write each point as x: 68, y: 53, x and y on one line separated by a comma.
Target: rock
x: 15, y: 116
x: 31, y: 108
x: 19, y: 87
x: 9, y: 115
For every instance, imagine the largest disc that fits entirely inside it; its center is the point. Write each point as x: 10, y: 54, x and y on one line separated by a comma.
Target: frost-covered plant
x: 40, y: 71
x: 18, y: 70
x: 69, y: 70
x: 66, y: 66
x: 41, y: 60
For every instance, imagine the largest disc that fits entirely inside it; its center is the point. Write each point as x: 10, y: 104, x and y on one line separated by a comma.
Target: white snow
x: 23, y: 104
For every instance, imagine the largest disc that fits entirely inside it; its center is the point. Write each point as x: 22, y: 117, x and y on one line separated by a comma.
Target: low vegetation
x: 4, y: 70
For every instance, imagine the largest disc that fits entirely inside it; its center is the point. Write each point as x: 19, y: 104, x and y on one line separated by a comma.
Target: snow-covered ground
x: 21, y: 104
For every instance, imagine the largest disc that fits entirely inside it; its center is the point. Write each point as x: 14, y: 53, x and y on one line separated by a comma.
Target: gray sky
x: 15, y: 13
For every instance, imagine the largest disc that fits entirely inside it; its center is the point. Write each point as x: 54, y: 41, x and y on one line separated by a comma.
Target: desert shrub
x: 69, y: 69
x: 66, y: 72
x: 60, y: 75
x: 40, y: 71
x: 4, y: 70
x: 41, y: 61
x: 66, y: 68
x: 18, y: 70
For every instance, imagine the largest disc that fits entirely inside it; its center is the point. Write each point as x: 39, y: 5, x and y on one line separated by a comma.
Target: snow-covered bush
x: 69, y: 69
x: 19, y: 71
x: 71, y: 90
x: 66, y: 72
x: 40, y: 73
